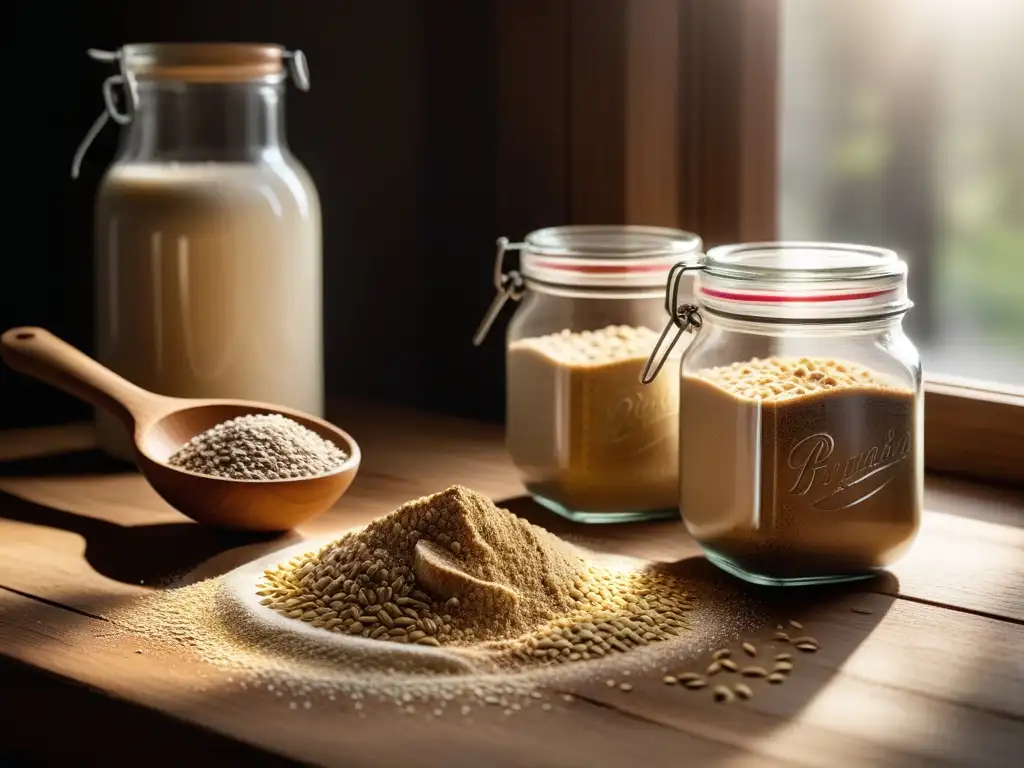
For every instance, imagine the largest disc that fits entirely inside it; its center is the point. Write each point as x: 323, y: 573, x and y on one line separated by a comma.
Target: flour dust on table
x: 453, y: 603
x: 454, y: 569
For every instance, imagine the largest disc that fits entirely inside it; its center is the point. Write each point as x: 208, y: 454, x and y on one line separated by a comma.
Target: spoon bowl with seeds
x: 273, y: 497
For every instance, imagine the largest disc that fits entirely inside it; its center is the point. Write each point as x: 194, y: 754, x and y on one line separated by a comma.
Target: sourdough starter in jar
x: 583, y: 431
x: 209, y: 283
x: 802, y: 458
x: 590, y: 441
x: 826, y: 448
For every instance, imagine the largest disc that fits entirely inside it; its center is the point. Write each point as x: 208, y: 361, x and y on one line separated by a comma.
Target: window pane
x: 903, y: 126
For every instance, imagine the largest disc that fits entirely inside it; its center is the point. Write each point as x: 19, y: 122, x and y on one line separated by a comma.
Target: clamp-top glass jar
x: 208, y: 260
x: 800, y: 412
x: 590, y: 442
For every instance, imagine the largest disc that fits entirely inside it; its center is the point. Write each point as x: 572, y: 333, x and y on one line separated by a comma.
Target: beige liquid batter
x: 209, y: 284
x: 800, y: 468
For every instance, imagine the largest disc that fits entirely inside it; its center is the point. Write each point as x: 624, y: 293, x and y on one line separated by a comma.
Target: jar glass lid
x: 204, y: 62
x: 606, y: 255
x: 803, y: 281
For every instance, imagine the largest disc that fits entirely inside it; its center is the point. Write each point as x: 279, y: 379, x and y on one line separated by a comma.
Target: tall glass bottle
x: 208, y: 233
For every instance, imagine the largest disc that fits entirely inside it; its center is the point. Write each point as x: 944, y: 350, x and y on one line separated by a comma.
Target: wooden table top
x: 934, y: 674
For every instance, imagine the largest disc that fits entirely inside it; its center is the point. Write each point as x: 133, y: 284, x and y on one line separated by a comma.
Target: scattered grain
x: 743, y: 691
x: 627, y: 687
x: 509, y: 586
x: 670, y: 680
x: 783, y: 666
x: 722, y: 694
x: 696, y: 683
x: 729, y: 665
x: 783, y: 656
x: 753, y: 672
x: 795, y: 624
x: 807, y: 647
x: 749, y: 649
x: 776, y: 677
x: 805, y: 643
x: 713, y: 668
x: 721, y: 653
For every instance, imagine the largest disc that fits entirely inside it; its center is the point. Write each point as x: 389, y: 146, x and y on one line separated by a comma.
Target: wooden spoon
x: 160, y: 425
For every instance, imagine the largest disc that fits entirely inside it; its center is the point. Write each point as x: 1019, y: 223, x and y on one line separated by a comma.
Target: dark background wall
x: 397, y: 132
x: 431, y: 128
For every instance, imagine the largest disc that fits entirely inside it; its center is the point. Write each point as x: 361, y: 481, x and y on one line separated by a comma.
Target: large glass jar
x: 801, y: 412
x: 208, y: 244
x: 589, y: 440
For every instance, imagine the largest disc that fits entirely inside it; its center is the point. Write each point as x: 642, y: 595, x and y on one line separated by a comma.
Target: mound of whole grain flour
x: 446, y: 593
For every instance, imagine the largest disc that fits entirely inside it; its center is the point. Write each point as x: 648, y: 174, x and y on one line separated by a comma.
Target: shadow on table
x: 69, y: 463
x: 730, y: 611
x: 156, y: 555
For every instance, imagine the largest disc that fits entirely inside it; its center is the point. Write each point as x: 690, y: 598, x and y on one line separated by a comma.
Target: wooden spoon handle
x: 38, y: 353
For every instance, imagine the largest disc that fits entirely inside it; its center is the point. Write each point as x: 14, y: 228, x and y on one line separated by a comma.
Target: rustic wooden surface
x: 933, y: 675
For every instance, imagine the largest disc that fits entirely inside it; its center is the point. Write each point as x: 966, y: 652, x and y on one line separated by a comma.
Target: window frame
x: 666, y: 112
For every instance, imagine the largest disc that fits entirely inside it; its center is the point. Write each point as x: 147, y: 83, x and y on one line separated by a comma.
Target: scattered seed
x: 721, y: 653
x: 795, y: 624
x: 238, y: 449
x: 670, y: 680
x: 730, y: 665
x: 783, y: 666
x: 754, y: 672
x: 722, y: 694
x: 687, y: 676
x: 714, y: 668
x: 805, y: 639
x: 783, y: 656
x: 627, y: 687
x: 782, y: 636
x: 695, y: 684
x: 749, y: 649
x: 807, y: 647
x: 776, y: 677
x: 743, y: 691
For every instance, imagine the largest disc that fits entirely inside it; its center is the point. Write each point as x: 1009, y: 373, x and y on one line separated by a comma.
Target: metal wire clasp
x: 123, y: 78
x: 685, y: 317
x: 298, y: 68
x: 509, y: 285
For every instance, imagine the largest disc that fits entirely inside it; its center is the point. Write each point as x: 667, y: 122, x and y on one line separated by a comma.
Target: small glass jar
x: 208, y: 246
x: 801, y: 412
x: 589, y: 440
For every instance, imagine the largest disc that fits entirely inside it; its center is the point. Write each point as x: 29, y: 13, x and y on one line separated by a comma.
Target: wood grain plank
x: 164, y: 678
x: 56, y: 509
x: 906, y: 685
x: 927, y: 686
